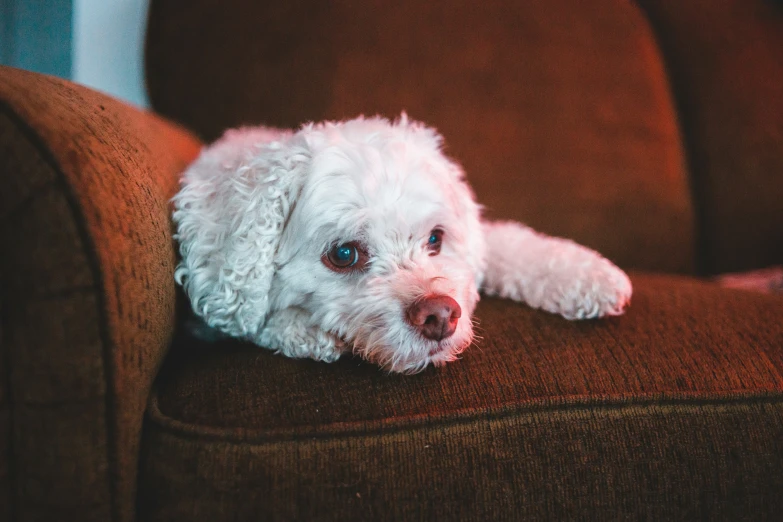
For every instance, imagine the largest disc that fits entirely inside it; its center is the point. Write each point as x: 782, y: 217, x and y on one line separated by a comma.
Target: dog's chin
x: 418, y: 355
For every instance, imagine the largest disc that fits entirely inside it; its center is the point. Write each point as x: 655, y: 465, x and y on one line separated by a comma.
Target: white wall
x: 108, y: 46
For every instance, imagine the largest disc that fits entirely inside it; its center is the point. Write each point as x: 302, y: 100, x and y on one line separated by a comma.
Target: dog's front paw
x: 327, y: 347
x: 287, y: 332
x: 597, y: 289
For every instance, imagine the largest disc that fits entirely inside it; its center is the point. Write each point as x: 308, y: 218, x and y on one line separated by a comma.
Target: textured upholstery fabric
x: 726, y: 65
x: 559, y: 111
x: 86, y: 293
x: 673, y: 411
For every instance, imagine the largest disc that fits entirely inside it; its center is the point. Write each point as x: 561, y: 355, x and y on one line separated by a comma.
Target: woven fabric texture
x: 725, y: 60
x: 673, y: 410
x: 559, y: 111
x: 86, y: 293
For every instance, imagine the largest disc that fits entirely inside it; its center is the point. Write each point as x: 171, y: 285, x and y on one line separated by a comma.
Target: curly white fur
x: 260, y: 207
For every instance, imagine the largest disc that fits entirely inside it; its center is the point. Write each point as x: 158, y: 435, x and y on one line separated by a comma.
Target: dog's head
x: 365, y: 224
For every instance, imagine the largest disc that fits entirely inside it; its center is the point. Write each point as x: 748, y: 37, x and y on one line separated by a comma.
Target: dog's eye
x: 346, y: 257
x: 435, y: 241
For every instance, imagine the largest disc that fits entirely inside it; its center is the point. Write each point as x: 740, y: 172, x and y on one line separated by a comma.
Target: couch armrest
x: 87, y: 295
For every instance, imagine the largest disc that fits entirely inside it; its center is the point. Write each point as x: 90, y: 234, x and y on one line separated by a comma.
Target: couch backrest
x: 561, y: 112
x: 725, y: 61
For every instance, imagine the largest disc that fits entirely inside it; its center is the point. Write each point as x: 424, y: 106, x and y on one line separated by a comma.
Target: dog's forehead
x: 383, y: 189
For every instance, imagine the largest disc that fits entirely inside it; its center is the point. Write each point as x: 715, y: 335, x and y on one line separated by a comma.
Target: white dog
x: 363, y: 236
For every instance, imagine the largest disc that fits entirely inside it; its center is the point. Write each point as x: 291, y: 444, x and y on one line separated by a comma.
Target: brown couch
x: 651, y: 131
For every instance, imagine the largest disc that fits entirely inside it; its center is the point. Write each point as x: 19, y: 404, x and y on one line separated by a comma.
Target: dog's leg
x: 288, y: 332
x: 556, y: 275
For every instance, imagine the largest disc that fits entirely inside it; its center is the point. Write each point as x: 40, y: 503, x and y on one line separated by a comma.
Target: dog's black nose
x: 435, y: 316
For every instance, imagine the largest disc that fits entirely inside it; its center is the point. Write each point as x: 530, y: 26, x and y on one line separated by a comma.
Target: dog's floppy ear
x: 230, y: 213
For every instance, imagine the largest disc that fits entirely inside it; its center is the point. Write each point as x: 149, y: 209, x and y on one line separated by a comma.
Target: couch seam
x: 93, y: 263
x: 371, y: 427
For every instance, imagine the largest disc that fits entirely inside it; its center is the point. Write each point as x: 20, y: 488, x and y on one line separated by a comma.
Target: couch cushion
x: 673, y: 410
x: 726, y: 64
x: 559, y: 111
